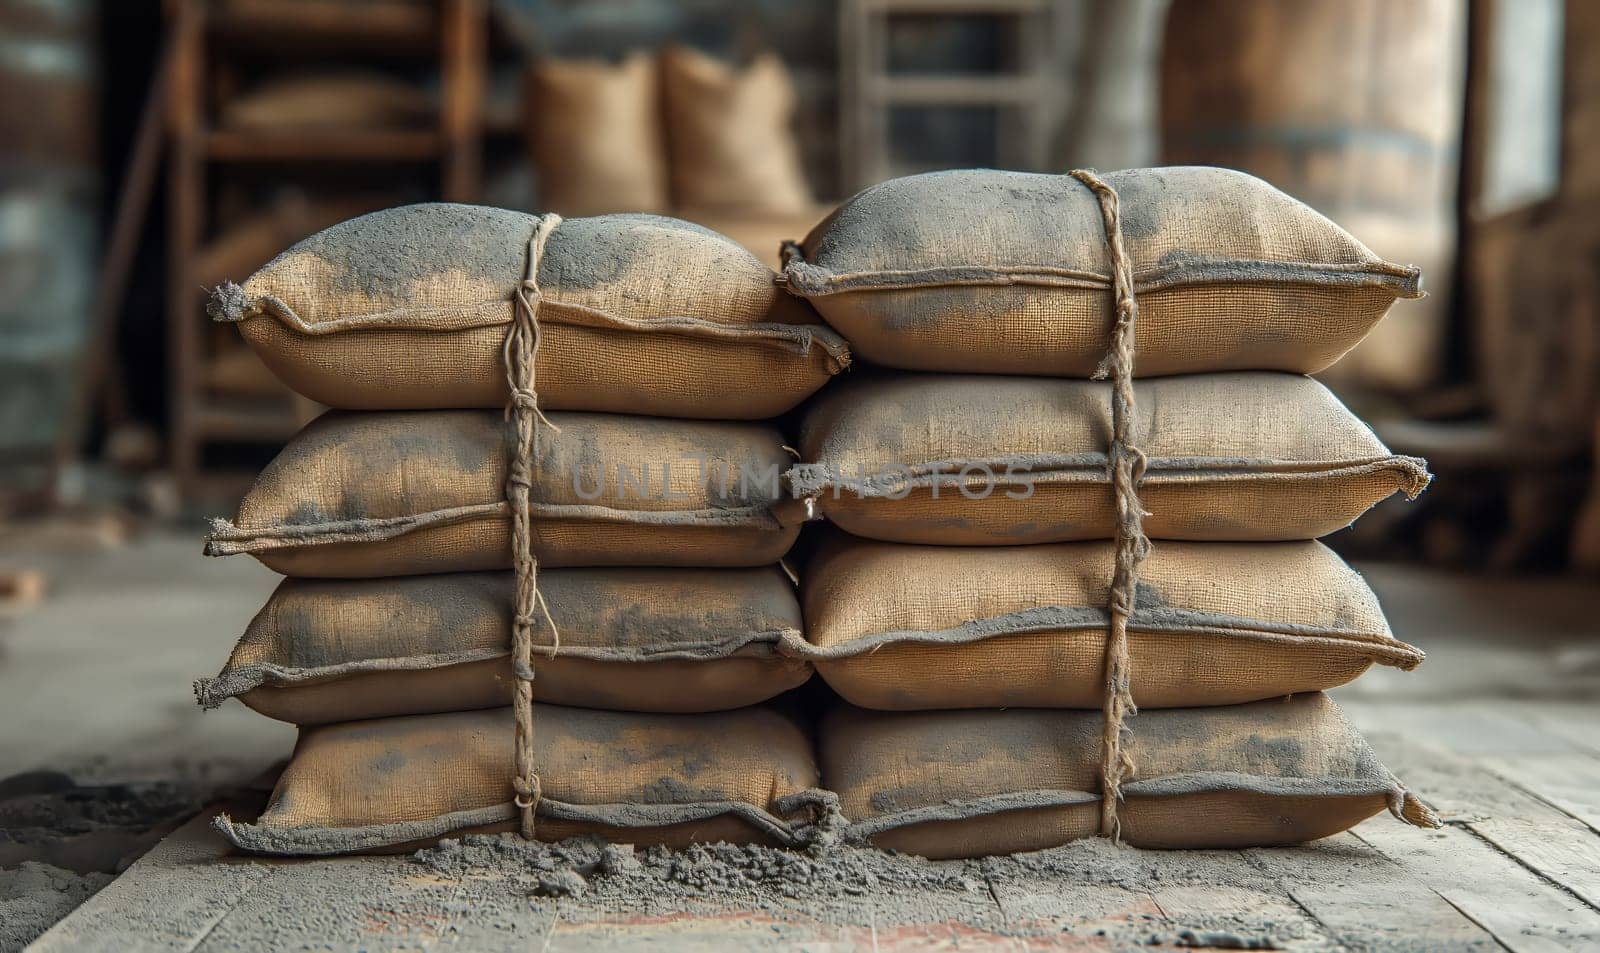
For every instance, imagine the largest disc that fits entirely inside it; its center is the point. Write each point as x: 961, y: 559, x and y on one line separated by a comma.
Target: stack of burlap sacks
x: 999, y: 612
x: 491, y: 520
x: 491, y: 517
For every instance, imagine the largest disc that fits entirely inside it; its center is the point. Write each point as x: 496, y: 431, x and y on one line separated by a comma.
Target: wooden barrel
x: 1352, y: 106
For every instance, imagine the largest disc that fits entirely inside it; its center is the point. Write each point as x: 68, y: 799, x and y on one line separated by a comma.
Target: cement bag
x: 358, y: 495
x: 408, y: 308
x: 971, y: 460
x: 395, y: 784
x: 671, y: 640
x: 969, y: 783
x: 979, y: 271
x: 916, y: 627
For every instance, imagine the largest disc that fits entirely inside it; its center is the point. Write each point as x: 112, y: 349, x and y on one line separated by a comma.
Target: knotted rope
x: 520, y: 356
x: 1127, y: 464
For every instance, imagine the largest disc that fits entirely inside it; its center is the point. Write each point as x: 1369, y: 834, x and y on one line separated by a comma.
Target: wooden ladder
x: 1026, y: 98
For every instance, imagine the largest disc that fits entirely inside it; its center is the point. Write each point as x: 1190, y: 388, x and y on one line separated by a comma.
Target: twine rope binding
x: 1127, y: 465
x: 521, y: 354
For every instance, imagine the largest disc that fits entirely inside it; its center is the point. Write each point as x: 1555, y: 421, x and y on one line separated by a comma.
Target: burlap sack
x: 1241, y: 456
x: 400, y: 783
x: 918, y: 627
x: 979, y: 271
x: 970, y: 783
x: 595, y: 128
x: 408, y: 308
x: 730, y: 132
x: 670, y: 640
x: 358, y: 495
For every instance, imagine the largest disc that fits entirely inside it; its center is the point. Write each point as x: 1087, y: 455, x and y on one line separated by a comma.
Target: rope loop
x: 1126, y: 464
x: 527, y: 794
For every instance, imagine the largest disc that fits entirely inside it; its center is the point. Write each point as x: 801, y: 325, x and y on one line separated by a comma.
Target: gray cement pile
x: 48, y: 817
x: 61, y: 841
x: 34, y: 896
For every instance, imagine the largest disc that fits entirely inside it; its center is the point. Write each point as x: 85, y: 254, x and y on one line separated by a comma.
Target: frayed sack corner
x: 1411, y: 283
x: 230, y: 304
x: 1409, y: 808
x: 217, y: 541
x: 802, y: 278
x: 204, y: 694
x: 1420, y: 476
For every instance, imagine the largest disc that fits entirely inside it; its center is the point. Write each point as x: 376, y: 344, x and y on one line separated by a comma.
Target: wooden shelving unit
x: 377, y: 145
x: 1026, y: 98
x: 399, y: 27
x: 448, y: 35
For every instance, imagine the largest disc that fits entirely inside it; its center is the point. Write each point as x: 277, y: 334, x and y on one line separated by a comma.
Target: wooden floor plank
x: 1550, y: 841
x: 1220, y: 894
x: 1265, y: 915
x: 1470, y: 728
x: 1520, y: 909
x: 1569, y: 861
x: 1493, y: 860
x: 1568, y: 783
x: 1576, y: 722
x: 1368, y: 902
x: 1068, y: 904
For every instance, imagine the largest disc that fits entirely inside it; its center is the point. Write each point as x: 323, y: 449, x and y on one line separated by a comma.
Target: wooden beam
x: 333, y: 145
x: 462, y: 79
x: 111, y: 286
x: 185, y: 214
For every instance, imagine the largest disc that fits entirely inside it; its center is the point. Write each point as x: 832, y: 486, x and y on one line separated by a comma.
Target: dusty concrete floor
x: 95, y: 683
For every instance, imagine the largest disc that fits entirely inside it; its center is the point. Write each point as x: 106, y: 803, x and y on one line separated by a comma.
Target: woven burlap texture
x: 980, y: 271
x: 969, y: 783
x: 667, y: 640
x: 356, y: 495
x: 407, y: 309
x: 394, y: 783
x: 1235, y: 456
x: 926, y: 627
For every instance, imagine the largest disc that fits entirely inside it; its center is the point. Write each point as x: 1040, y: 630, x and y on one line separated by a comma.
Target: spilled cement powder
x: 863, y: 890
x: 572, y: 867
x: 34, y: 896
